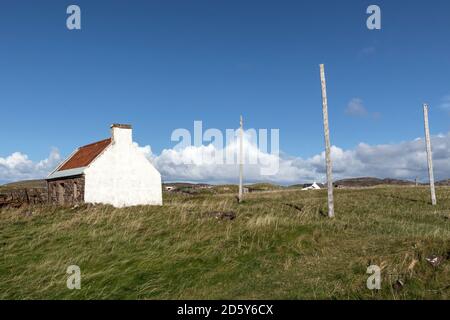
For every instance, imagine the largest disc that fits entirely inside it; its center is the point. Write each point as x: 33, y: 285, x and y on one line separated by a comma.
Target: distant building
x: 313, y: 186
x: 112, y: 171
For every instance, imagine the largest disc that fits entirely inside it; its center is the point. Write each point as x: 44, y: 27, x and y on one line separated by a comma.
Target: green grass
x: 280, y: 246
x: 24, y: 184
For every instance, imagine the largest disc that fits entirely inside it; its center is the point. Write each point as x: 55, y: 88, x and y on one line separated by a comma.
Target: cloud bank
x: 406, y: 160
x: 17, y: 166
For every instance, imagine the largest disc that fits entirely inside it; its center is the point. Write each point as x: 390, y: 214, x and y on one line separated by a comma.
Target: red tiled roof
x: 85, y: 155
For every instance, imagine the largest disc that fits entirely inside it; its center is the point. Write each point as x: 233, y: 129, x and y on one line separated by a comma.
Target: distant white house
x: 112, y: 171
x: 314, y: 186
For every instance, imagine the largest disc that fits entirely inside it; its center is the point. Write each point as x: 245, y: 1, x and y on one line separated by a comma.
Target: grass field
x: 281, y: 245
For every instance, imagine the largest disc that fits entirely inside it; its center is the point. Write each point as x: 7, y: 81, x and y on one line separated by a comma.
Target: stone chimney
x: 121, y: 133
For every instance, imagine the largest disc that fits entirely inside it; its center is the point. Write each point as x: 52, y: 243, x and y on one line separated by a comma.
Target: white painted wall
x: 122, y: 176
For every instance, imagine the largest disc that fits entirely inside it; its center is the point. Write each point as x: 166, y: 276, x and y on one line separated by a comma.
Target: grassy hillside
x: 27, y: 184
x: 279, y: 246
x: 371, y: 182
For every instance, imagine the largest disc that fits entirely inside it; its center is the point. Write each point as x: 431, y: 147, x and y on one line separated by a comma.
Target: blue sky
x: 160, y: 65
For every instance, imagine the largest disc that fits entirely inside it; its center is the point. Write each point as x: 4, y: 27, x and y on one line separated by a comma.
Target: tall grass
x: 280, y: 246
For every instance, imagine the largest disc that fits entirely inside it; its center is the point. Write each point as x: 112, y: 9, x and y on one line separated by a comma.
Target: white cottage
x: 112, y: 171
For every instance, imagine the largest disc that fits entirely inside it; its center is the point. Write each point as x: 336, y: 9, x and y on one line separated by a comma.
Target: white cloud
x: 356, y: 108
x: 405, y: 160
x: 216, y: 164
x: 17, y: 166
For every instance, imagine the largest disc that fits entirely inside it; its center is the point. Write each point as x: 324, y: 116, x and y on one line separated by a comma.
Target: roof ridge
x: 93, y: 143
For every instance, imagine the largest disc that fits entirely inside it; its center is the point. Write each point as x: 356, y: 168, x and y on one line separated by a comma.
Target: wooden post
x: 429, y: 155
x: 327, y: 142
x: 241, y: 158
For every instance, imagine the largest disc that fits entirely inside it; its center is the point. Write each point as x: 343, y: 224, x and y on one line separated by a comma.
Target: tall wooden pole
x: 429, y: 155
x: 241, y: 158
x: 327, y: 142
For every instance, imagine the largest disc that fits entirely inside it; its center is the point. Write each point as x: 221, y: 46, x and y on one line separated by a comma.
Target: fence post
x: 327, y: 142
x: 241, y: 158
x: 429, y: 155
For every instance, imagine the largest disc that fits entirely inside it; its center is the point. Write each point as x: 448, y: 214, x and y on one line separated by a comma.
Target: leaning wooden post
x: 429, y: 155
x: 327, y: 142
x: 241, y: 159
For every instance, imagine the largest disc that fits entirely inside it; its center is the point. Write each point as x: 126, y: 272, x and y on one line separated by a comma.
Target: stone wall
x: 15, y: 198
x: 67, y: 191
